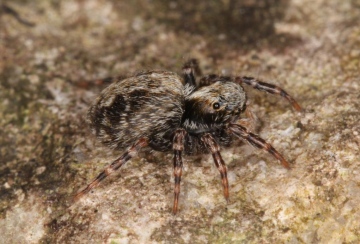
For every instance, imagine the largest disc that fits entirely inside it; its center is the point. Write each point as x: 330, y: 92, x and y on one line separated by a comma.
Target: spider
x: 162, y: 111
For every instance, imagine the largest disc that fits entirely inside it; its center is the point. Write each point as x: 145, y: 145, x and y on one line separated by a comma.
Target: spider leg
x: 219, y: 162
x: 270, y: 88
x: 258, y: 142
x: 190, y: 69
x: 116, y: 164
x: 208, y: 80
x: 178, y: 146
x: 5, y: 9
x: 250, y: 121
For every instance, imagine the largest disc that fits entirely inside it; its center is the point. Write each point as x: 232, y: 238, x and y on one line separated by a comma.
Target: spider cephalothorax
x: 212, y: 106
x: 166, y: 112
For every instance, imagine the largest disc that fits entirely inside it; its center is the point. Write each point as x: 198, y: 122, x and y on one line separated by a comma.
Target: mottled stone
x: 51, y: 57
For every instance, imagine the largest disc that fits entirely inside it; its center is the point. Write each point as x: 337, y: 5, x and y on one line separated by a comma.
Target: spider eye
x: 216, y: 105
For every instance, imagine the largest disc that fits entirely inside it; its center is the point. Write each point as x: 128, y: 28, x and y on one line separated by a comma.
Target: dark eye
x: 216, y: 105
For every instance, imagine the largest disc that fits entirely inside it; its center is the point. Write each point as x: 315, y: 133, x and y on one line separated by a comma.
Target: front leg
x: 208, y: 80
x: 250, y: 120
x: 178, y: 146
x: 214, y: 147
x: 269, y: 88
x: 258, y: 142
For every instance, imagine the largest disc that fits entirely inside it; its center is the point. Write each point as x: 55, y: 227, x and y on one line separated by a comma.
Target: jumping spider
x: 165, y: 112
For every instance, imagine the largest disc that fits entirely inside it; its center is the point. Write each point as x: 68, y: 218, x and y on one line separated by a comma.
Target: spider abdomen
x: 149, y: 104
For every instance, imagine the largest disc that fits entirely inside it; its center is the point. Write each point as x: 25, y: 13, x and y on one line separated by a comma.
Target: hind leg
x: 116, y: 164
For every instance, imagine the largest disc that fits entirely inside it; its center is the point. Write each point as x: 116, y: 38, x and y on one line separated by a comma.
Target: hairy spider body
x: 166, y: 112
x: 154, y: 104
x: 149, y: 104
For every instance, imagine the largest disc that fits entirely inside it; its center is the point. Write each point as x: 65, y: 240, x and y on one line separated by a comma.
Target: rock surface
x: 50, y: 54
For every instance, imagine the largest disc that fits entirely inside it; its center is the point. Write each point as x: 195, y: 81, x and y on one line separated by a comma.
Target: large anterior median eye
x: 216, y: 105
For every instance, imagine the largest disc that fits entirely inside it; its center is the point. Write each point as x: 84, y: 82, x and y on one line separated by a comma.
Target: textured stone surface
x: 310, y: 48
